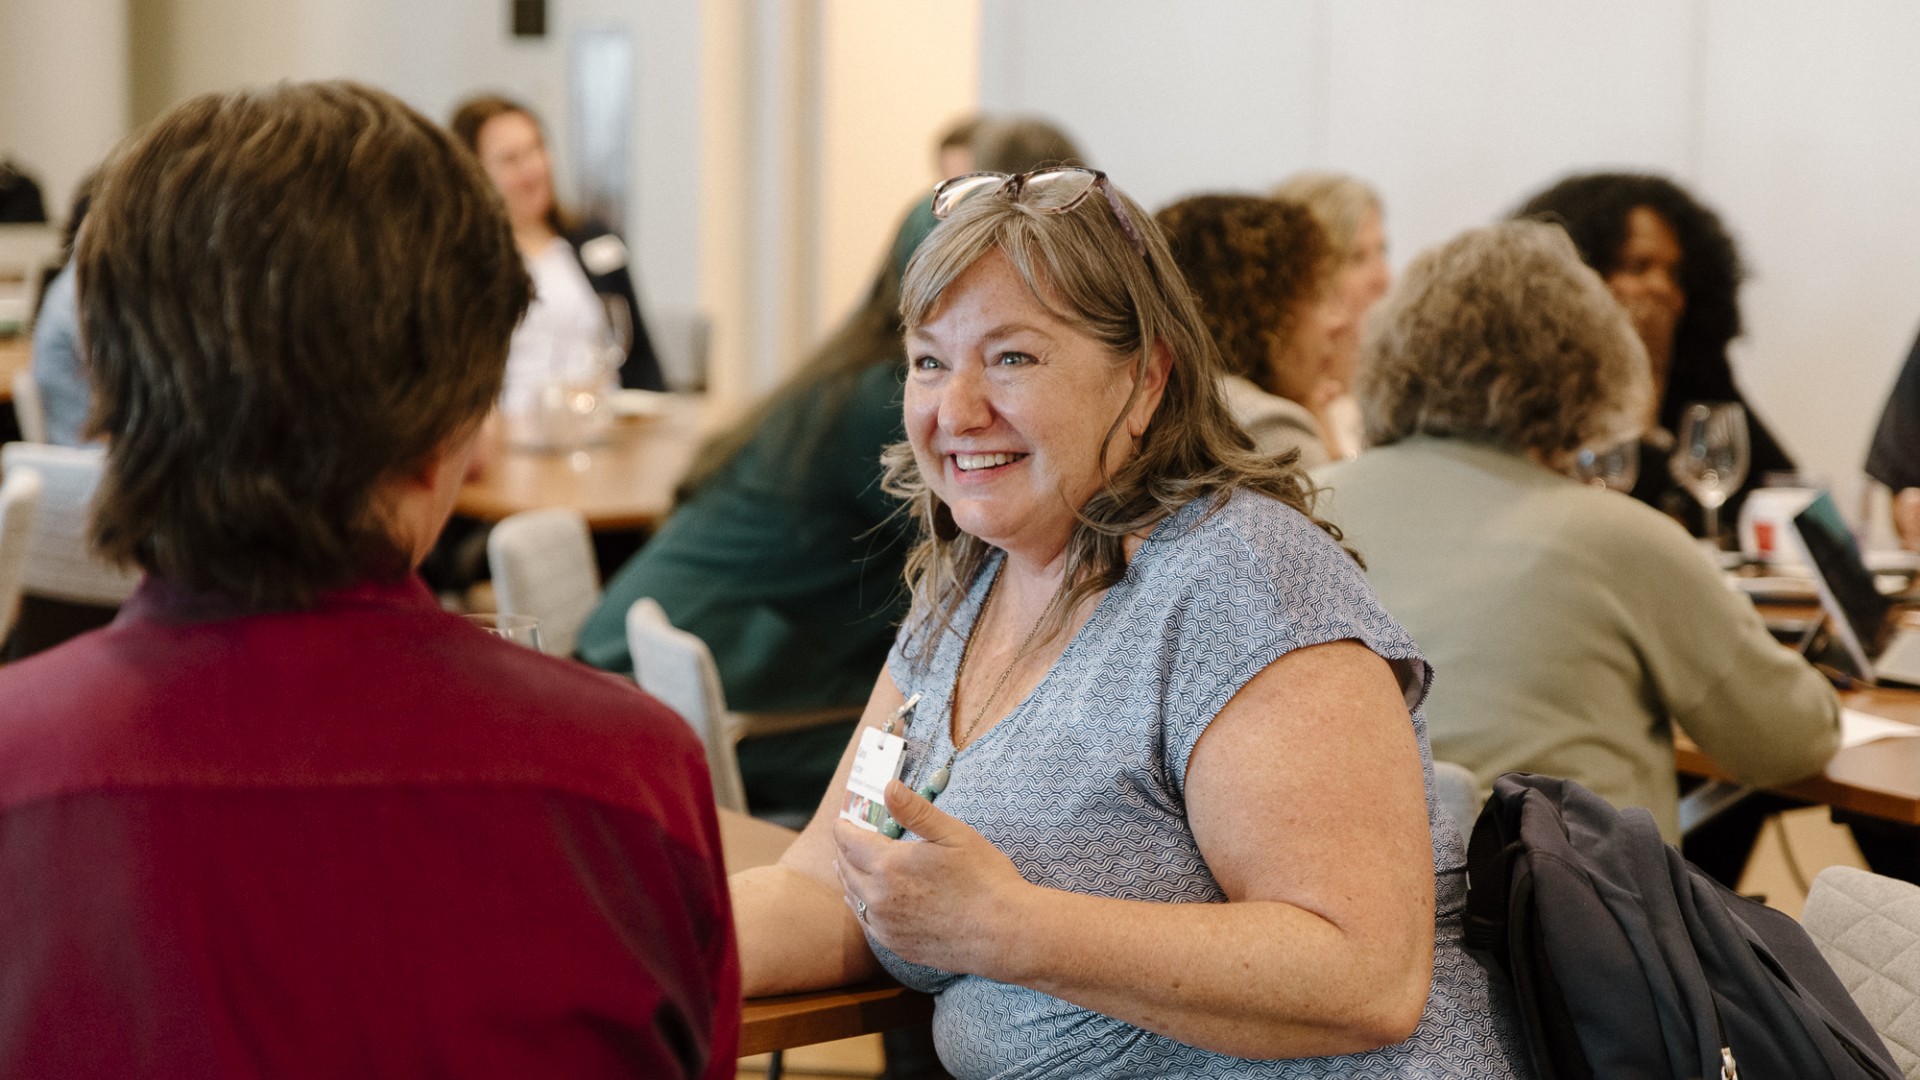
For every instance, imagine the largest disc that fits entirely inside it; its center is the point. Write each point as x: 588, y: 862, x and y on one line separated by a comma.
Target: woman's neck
x: 532, y: 237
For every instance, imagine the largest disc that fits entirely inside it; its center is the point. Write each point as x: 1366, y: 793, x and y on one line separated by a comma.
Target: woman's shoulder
x: 1256, y: 525
x: 1251, y: 552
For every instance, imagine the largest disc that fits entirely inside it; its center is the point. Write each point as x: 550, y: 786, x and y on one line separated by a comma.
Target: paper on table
x: 1858, y: 727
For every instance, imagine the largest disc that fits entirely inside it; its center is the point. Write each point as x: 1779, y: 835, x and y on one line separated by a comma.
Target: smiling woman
x: 1134, y: 666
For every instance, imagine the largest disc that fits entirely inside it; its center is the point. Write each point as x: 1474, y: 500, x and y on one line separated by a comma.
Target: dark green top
x: 788, y: 561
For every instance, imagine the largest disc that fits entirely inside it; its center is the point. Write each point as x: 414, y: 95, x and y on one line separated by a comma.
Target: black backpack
x: 1628, y: 962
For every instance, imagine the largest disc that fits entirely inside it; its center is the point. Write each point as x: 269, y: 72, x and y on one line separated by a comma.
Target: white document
x: 1857, y: 728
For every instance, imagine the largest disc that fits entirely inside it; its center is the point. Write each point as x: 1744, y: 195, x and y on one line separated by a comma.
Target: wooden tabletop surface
x: 780, y: 1023
x: 15, y: 353
x: 625, y: 483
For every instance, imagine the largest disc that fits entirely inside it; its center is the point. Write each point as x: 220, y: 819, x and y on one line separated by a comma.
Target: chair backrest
x: 1459, y: 794
x: 19, y: 499
x: 681, y: 338
x: 677, y: 668
x: 1868, y: 928
x: 60, y: 561
x: 28, y: 410
x: 543, y: 565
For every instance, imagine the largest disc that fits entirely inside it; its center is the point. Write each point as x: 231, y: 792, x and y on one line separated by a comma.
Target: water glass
x: 520, y: 629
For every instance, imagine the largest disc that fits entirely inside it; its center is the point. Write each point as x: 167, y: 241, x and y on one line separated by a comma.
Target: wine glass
x: 1710, y: 456
x: 1614, y: 467
x: 521, y: 629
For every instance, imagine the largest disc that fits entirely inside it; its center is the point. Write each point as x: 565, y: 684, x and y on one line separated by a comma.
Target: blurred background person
x: 582, y: 281
x: 1265, y: 278
x: 784, y: 555
x: 308, y: 824
x: 59, y: 364
x: 1350, y: 212
x: 1005, y: 144
x: 1574, y: 628
x: 1674, y: 267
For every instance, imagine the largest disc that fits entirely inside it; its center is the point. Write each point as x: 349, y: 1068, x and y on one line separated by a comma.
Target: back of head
x: 290, y: 296
x: 1502, y: 335
x: 1339, y: 202
x: 1255, y: 265
x: 1594, y: 207
x: 1017, y: 144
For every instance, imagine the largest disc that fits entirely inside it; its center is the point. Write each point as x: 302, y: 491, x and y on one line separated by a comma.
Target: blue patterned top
x: 1082, y: 787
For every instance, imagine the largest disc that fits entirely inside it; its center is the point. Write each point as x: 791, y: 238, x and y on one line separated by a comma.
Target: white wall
x: 432, y: 53
x: 892, y: 76
x: 63, y: 89
x: 1795, y: 119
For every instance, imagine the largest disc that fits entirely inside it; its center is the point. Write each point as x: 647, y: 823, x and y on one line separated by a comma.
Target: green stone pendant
x: 937, y: 783
x: 890, y: 828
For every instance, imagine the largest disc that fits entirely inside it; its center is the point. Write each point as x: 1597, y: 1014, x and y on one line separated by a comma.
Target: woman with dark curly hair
x: 1672, y: 264
x: 1261, y: 269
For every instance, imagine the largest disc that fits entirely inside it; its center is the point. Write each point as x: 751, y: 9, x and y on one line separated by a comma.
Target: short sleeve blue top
x: 1081, y: 785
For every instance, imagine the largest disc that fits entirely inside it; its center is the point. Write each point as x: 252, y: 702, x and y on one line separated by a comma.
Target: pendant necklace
x: 937, y: 783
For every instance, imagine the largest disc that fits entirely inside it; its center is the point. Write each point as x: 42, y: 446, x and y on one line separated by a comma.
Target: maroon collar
x: 161, y: 601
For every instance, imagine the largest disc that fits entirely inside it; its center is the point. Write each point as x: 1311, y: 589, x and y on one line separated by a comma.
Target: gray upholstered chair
x: 1868, y: 928
x: 543, y: 565
x: 60, y: 561
x: 677, y: 668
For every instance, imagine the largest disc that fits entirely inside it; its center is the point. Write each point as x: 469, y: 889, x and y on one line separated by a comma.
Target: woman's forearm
x: 1258, y: 979
x: 796, y: 934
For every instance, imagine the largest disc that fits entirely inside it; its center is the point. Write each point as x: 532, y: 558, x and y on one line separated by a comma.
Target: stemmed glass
x: 1710, y: 456
x: 1615, y: 467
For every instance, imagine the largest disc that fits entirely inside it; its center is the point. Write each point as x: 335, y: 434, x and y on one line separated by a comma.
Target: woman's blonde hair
x: 1339, y: 202
x: 1085, y: 271
x: 1503, y: 335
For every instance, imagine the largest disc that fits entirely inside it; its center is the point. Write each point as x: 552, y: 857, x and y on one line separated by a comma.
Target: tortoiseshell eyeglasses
x: 1048, y: 191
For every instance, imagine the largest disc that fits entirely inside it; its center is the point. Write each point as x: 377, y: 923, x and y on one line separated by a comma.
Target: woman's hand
x: 943, y: 901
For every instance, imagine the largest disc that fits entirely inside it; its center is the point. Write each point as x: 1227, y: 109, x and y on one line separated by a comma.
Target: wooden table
x: 1879, y: 779
x: 624, y: 483
x: 781, y: 1023
x: 15, y: 353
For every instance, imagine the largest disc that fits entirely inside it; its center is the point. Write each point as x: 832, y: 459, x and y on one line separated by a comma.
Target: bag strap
x: 1489, y: 881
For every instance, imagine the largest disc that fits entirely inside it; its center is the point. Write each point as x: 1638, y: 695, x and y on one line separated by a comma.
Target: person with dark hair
x: 20, y: 199
x: 582, y: 278
x: 1894, y: 457
x: 1672, y: 264
x: 285, y: 816
x: 1263, y: 273
x: 1006, y: 144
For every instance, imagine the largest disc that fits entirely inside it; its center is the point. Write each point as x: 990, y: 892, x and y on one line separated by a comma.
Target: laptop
x: 1881, y: 649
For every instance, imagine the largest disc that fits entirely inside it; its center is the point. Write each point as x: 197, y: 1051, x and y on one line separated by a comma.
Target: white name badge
x: 877, y: 761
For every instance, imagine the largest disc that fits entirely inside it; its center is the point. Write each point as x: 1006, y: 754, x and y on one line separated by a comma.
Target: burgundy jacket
x: 366, y: 840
